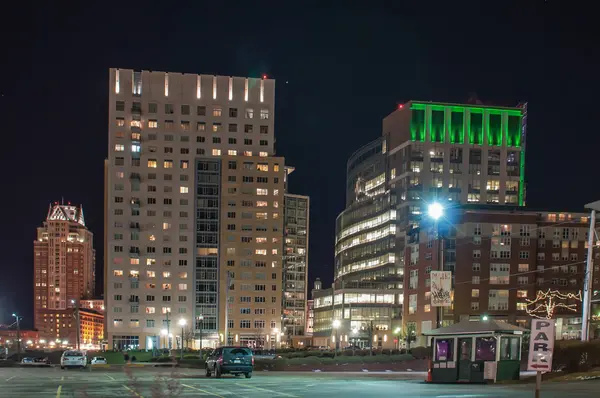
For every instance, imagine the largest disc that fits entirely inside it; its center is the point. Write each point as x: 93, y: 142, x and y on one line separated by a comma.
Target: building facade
x: 295, y: 267
x: 509, y: 265
x: 64, y: 261
x: 194, y: 203
x: 428, y: 152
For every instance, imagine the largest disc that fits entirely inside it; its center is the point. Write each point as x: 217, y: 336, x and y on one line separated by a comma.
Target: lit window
x: 136, y: 123
x: 183, y: 189
x: 261, y: 252
x: 168, y: 164
x: 262, y: 167
x: 263, y: 154
x: 166, y: 226
x: 261, y: 216
x: 152, y: 238
x: 261, y: 239
x: 183, y: 275
x: 216, y: 152
x: 150, y: 274
x: 275, y: 216
x: 275, y: 192
x: 275, y: 167
x: 152, y: 163
x: 262, y: 191
x: 247, y: 153
x: 120, y: 122
x: 166, y: 274
x: 120, y: 174
x: 166, y: 310
x: 217, y: 111
x: 274, y: 251
x: 261, y: 203
x: 264, y: 114
x: 119, y: 148
x: 134, y: 261
x: 184, y: 164
x: 249, y: 113
x: 150, y: 261
x: 232, y: 152
x: 216, y: 127
x: 118, y: 272
x: 182, y: 286
x: 150, y: 310
x: 276, y: 204
x: 152, y: 124
x: 135, y: 148
x: 166, y: 286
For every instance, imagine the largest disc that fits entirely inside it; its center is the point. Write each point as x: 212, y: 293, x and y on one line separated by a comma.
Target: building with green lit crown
x: 428, y: 151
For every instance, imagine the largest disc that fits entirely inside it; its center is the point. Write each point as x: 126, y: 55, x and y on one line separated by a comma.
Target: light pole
x: 182, y: 323
x: 164, y: 333
x: 435, y: 211
x: 589, y: 270
x: 201, y: 325
x: 76, y: 307
x: 18, y: 318
x: 276, y: 333
x: 336, y: 326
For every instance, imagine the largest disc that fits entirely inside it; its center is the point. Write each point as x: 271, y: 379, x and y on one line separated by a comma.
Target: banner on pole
x: 441, y: 288
x: 541, y: 345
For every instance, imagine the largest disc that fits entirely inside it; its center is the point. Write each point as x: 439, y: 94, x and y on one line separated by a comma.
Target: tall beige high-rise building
x: 170, y: 191
x: 64, y: 261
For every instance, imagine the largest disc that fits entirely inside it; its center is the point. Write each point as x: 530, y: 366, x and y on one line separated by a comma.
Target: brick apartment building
x: 501, y: 259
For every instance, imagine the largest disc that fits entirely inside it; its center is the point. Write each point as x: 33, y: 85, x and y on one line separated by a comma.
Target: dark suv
x: 232, y: 360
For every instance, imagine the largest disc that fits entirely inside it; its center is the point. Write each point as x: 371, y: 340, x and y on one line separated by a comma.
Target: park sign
x: 441, y: 287
x: 541, y: 345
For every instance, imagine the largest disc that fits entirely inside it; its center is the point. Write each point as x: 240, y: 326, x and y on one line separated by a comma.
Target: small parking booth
x: 476, y: 352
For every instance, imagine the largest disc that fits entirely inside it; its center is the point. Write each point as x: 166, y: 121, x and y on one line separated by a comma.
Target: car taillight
x: 220, y: 360
x: 252, y: 361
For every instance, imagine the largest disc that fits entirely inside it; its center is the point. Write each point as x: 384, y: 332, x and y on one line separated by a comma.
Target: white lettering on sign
x: 541, y: 345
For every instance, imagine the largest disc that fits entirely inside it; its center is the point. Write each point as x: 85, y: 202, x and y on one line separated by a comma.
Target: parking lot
x: 162, y: 382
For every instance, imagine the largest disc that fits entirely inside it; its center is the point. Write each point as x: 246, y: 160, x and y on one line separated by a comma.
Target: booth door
x: 465, y: 346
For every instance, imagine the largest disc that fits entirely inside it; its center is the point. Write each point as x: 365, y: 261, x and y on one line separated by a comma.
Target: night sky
x: 339, y: 72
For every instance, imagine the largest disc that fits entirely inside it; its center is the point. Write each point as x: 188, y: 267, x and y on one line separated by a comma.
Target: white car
x: 98, y: 361
x: 73, y: 359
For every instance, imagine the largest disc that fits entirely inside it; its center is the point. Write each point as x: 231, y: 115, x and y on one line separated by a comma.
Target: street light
x: 182, y: 323
x: 201, y: 325
x: 336, y: 326
x: 435, y: 210
x: 18, y: 319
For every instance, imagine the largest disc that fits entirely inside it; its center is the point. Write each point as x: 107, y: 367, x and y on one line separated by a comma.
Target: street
x: 161, y: 382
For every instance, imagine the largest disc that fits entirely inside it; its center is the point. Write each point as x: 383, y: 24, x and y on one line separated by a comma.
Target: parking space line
x: 110, y: 377
x: 133, y: 391
x: 62, y: 378
x: 10, y: 378
x: 58, y: 390
x: 283, y: 394
x: 204, y: 391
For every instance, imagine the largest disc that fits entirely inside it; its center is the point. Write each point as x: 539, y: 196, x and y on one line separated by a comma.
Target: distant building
x: 64, y: 261
x: 310, y: 319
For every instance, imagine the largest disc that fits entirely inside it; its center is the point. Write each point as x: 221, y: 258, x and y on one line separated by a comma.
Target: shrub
x: 190, y: 356
x: 576, y: 356
x: 420, y: 352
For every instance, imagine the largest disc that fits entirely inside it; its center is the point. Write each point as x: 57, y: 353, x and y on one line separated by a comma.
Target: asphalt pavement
x: 175, y: 382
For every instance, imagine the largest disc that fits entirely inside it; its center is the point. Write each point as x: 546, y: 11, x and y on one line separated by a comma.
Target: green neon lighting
x: 495, y: 130
x: 462, y: 108
x: 513, y: 134
x: 417, y: 125
x: 457, y: 127
x: 437, y: 125
x: 476, y: 128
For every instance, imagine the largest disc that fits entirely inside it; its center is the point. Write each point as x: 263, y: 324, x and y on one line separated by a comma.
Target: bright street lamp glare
x: 182, y: 322
x: 336, y: 323
x: 435, y: 210
x: 163, y: 332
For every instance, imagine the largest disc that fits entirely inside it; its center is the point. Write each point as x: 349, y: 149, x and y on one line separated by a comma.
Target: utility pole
x: 18, y: 336
x: 589, y: 268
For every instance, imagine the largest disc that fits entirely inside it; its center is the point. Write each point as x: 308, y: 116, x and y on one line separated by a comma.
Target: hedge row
x: 576, y: 356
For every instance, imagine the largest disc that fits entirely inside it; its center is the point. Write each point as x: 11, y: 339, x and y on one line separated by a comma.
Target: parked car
x: 41, y: 360
x: 232, y: 360
x: 98, y: 361
x: 27, y: 360
x: 73, y: 359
